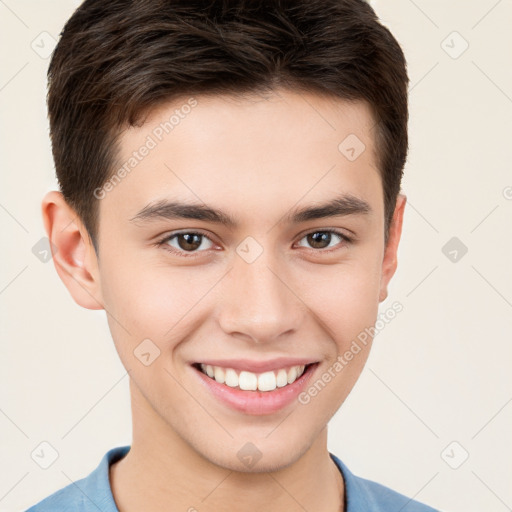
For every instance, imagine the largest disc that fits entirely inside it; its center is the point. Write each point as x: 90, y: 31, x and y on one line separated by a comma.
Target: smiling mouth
x: 250, y: 381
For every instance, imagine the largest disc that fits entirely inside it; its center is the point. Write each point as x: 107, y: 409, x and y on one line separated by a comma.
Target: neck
x: 163, y: 472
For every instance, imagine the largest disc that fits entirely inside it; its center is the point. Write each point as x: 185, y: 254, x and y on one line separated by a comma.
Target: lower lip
x: 258, y: 402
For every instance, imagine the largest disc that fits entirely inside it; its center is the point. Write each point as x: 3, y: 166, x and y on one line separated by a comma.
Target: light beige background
x: 439, y: 372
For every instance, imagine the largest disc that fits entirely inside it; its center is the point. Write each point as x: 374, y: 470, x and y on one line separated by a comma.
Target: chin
x: 258, y: 455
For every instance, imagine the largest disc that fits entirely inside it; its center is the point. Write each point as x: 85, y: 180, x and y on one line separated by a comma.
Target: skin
x: 256, y: 158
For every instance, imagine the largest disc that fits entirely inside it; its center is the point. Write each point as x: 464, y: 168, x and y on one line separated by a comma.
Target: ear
x: 73, y: 253
x: 389, y: 262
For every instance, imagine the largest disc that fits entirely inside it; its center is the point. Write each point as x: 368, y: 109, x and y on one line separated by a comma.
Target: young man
x: 230, y: 175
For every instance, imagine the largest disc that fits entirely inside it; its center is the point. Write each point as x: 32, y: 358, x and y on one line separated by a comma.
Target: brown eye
x: 186, y: 242
x: 323, y: 239
x: 319, y: 239
x: 189, y: 241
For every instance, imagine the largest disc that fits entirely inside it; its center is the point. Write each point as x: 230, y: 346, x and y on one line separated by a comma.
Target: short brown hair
x: 118, y: 59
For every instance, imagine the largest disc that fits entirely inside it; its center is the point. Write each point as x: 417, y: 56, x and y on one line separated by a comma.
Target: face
x: 217, y: 256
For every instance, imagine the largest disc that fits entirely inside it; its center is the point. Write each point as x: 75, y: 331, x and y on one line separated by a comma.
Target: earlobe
x: 72, y: 250
x: 390, y: 261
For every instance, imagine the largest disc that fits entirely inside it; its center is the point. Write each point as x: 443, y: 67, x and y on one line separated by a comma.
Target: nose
x: 258, y: 303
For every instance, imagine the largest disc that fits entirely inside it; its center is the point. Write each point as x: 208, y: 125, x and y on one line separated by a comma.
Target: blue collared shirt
x: 93, y: 493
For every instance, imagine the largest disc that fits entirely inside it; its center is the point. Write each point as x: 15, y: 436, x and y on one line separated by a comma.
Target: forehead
x: 245, y: 153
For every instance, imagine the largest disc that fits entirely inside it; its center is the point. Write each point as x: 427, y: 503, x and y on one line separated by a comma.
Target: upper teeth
x: 248, y: 381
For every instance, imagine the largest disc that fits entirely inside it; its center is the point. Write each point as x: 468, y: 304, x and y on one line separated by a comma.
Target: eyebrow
x: 346, y: 204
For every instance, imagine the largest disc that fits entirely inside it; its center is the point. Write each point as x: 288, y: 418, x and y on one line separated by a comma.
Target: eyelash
x: 164, y: 242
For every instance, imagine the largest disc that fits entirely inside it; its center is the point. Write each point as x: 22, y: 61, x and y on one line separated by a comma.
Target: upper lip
x: 256, y: 366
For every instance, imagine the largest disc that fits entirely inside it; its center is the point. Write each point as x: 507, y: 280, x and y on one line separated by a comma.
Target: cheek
x: 345, y: 302
x: 343, y: 296
x: 152, y: 300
